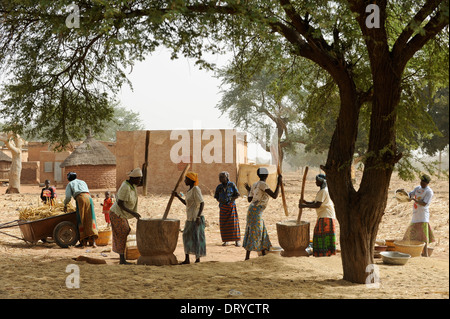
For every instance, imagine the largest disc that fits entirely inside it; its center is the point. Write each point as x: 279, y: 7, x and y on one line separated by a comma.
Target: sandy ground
x: 43, y: 270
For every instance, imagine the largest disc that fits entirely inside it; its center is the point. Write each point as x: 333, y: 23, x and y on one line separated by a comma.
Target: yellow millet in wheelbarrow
x: 39, y: 212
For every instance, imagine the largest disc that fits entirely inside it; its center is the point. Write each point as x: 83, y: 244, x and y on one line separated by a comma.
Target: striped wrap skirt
x: 87, y: 223
x: 120, y: 230
x: 420, y: 232
x: 229, y: 223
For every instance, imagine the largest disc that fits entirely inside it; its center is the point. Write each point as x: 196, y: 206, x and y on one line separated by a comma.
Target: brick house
x: 5, y: 165
x: 227, y: 148
x: 94, y: 163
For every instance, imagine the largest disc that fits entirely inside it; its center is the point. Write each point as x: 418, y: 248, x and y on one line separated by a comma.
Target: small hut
x: 5, y: 166
x: 94, y: 163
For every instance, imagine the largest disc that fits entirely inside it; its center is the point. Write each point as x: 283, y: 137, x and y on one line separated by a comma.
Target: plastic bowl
x: 394, y: 257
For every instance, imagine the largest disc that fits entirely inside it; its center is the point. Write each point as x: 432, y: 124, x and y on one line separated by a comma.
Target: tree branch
x: 431, y: 29
x: 409, y: 30
x: 303, y: 27
x: 12, y: 141
x: 376, y: 38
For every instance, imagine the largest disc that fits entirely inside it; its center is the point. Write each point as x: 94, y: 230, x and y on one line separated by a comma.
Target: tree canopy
x: 269, y: 103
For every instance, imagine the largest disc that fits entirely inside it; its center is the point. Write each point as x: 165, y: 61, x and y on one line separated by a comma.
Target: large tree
x: 366, y: 50
x: 267, y: 105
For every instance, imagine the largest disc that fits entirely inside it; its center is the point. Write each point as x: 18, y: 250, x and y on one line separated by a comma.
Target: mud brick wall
x: 30, y: 173
x: 95, y: 176
x: 163, y: 173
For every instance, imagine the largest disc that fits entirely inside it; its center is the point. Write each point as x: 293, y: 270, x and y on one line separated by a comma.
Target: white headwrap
x: 137, y: 172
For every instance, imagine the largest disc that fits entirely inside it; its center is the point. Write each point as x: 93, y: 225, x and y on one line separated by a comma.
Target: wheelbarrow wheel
x: 66, y: 234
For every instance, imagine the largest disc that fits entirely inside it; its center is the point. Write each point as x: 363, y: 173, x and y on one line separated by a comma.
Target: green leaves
x: 62, y: 79
x: 55, y: 71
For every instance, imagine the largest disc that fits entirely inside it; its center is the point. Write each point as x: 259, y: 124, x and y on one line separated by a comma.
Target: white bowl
x: 394, y: 257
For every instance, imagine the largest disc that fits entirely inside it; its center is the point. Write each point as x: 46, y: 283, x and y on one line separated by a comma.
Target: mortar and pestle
x: 293, y: 235
x: 157, y: 238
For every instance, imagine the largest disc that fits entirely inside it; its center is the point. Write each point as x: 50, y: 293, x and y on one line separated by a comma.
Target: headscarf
x: 193, y: 177
x: 322, y: 178
x: 262, y: 171
x: 137, y: 172
x: 226, y: 174
x: 71, y: 176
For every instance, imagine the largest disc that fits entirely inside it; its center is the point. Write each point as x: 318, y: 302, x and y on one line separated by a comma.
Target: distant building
x: 94, y: 163
x: 5, y: 166
x: 208, y: 151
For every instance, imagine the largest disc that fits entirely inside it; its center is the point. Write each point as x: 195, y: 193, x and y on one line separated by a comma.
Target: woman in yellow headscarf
x: 193, y: 177
x: 194, y: 240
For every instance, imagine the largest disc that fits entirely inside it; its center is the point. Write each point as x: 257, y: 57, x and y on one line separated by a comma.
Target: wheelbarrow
x: 62, y: 228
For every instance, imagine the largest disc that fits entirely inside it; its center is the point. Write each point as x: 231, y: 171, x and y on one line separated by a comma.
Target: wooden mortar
x: 157, y: 240
x: 293, y: 237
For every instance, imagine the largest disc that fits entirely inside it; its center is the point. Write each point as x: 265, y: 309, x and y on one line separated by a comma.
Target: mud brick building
x: 209, y: 152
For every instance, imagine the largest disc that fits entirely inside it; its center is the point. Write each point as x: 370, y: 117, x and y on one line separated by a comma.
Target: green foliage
x: 123, y: 120
x: 438, y: 110
x: 269, y: 100
x: 61, y: 80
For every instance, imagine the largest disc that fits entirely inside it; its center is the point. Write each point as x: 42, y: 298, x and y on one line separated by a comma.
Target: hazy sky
x: 171, y: 94
x: 175, y: 94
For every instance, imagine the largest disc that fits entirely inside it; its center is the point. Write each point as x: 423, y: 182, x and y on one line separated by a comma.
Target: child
x: 107, y: 203
x: 48, y: 193
x: 194, y: 229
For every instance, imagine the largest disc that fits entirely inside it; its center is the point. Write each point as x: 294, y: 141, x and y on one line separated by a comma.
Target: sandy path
x: 39, y: 271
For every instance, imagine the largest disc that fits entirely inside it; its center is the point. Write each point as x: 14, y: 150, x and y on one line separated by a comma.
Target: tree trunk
x: 353, y: 234
x: 14, y: 143
x: 358, y: 232
x: 359, y: 212
x: 355, y: 250
x: 14, y: 174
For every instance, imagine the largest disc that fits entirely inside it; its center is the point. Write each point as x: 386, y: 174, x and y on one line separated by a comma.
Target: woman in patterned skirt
x: 226, y: 193
x: 256, y: 237
x: 123, y: 209
x: 194, y: 240
x: 324, y: 239
x: 87, y: 223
